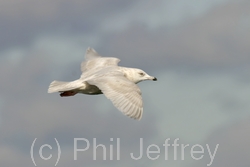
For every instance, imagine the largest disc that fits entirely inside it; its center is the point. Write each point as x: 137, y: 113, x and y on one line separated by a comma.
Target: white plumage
x: 102, y: 75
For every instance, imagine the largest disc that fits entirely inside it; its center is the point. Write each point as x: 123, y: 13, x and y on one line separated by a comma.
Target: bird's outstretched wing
x: 124, y: 94
x: 93, y: 61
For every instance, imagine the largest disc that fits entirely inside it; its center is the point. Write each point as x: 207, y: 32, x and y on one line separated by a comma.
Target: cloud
x: 50, y: 11
x: 191, y: 106
x: 217, y: 39
x: 22, y: 21
x: 214, y: 34
x: 233, y: 147
x: 160, y: 13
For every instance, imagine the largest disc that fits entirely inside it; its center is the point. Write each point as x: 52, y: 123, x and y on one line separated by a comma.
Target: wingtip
x: 89, y: 49
x: 138, y: 116
x: 91, y: 53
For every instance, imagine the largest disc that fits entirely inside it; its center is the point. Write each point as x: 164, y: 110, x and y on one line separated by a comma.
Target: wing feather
x: 93, y: 61
x: 124, y: 94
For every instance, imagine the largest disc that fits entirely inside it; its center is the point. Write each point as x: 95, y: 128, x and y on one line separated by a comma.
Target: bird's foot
x: 68, y: 93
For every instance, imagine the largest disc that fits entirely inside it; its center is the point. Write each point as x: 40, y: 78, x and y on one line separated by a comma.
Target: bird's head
x: 137, y: 75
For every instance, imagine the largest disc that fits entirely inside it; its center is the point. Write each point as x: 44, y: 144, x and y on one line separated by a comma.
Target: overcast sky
x: 198, y: 50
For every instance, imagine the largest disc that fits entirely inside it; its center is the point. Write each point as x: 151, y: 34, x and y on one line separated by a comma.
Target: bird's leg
x: 68, y: 93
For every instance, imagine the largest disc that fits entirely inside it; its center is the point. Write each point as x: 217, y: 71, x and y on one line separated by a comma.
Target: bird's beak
x: 152, y: 78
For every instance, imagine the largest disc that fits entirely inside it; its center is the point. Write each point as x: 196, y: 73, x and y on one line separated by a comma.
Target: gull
x: 102, y: 75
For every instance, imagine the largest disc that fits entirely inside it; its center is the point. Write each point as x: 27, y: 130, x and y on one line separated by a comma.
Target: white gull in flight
x: 102, y: 75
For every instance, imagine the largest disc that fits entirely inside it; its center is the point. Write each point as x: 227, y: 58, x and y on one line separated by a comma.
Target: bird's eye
x: 141, y: 74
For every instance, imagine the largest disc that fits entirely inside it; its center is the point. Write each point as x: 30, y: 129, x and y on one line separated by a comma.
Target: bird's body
x: 102, y: 75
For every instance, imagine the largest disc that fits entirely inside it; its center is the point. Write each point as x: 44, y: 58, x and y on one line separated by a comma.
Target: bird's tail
x: 59, y: 86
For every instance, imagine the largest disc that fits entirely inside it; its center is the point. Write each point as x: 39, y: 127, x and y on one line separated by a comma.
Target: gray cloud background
x: 198, y: 50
